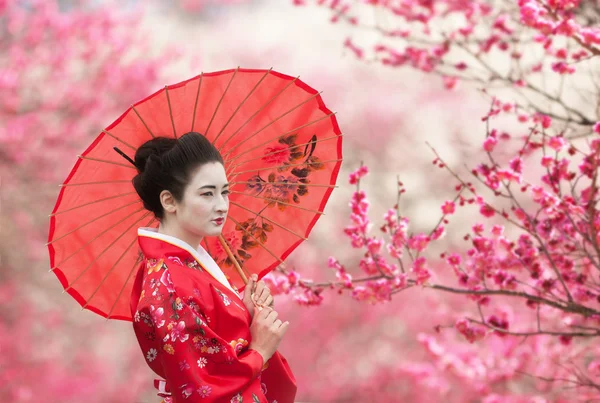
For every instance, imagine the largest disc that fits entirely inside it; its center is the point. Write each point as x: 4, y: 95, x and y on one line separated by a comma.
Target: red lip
x: 219, y: 220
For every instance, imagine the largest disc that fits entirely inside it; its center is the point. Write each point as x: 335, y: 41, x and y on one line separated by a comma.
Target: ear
x: 169, y: 204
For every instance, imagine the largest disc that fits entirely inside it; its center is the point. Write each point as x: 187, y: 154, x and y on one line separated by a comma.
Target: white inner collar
x: 199, y: 254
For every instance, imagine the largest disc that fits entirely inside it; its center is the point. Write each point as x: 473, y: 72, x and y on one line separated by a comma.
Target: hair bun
x: 156, y: 147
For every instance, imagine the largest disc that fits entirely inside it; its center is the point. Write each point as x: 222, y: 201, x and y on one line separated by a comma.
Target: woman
x: 195, y: 331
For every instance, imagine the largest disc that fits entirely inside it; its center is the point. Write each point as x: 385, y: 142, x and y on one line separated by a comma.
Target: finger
x: 263, y: 295
x: 269, y: 301
x: 277, y: 323
x: 264, y: 312
x: 283, y: 328
x: 248, y: 289
x: 260, y: 285
x: 272, y: 316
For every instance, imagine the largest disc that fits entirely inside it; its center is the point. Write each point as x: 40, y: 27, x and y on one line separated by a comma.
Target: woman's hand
x: 266, y: 332
x: 257, y: 294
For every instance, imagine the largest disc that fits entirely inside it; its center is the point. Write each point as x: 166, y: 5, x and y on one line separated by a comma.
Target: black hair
x: 166, y: 163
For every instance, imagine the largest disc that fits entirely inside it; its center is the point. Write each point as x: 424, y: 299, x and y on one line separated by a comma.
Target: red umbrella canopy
x: 282, y: 149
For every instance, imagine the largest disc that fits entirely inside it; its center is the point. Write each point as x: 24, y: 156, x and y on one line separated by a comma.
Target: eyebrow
x: 212, y: 187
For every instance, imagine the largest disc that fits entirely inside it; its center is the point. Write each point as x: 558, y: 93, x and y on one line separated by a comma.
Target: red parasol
x: 282, y: 149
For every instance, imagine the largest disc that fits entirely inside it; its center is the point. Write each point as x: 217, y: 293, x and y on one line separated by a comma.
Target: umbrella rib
x: 105, y: 250
x: 279, y: 151
x: 93, y: 239
x: 257, y: 241
x: 227, y: 162
x: 268, y: 219
x: 95, y: 183
x: 220, y: 101
x: 83, y: 157
x: 279, y: 202
x: 170, y: 111
x: 196, y: 103
x: 108, y: 273
x: 289, y: 184
x: 258, y: 111
x: 126, y: 281
x: 242, y: 104
x: 89, y: 222
x: 135, y: 264
x: 281, y: 135
x: 118, y: 139
x: 140, y: 116
x: 283, y: 166
x: 89, y: 203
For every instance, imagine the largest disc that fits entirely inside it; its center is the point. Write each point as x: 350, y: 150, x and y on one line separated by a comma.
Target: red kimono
x: 194, y: 329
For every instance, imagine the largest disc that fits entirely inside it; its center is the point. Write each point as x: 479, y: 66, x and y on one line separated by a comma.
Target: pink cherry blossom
x: 489, y: 143
x: 448, y: 207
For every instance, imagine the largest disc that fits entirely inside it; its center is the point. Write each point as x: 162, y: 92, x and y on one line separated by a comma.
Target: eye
x: 226, y: 192
x: 207, y: 194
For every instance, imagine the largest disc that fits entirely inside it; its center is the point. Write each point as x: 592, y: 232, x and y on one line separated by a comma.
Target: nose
x: 222, y: 205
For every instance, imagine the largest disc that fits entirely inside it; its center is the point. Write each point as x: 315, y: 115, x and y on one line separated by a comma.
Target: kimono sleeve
x: 198, y: 365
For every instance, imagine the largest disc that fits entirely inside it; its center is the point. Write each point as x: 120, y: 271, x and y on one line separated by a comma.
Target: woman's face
x: 203, y: 209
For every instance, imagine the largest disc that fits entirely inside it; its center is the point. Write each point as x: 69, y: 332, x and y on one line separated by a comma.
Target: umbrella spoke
x: 83, y: 157
x: 257, y: 112
x: 170, y: 111
x: 257, y: 241
x: 276, y: 152
x: 196, y: 102
x: 95, y: 183
x: 142, y: 119
x: 127, y: 280
x: 241, y: 104
x: 90, y: 203
x: 220, y: 101
x: 93, y: 239
x: 94, y: 220
x: 278, y: 202
x: 281, y: 166
x: 118, y: 139
x: 105, y: 250
x: 288, y: 184
x: 110, y: 271
x: 268, y: 219
x: 270, y: 123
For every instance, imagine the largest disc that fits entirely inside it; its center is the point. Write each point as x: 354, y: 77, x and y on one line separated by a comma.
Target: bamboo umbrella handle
x: 233, y: 259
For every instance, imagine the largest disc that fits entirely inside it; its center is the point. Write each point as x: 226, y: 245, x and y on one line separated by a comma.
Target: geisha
x: 207, y: 342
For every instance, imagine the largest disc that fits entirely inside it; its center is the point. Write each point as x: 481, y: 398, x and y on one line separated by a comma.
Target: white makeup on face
x: 205, y: 204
